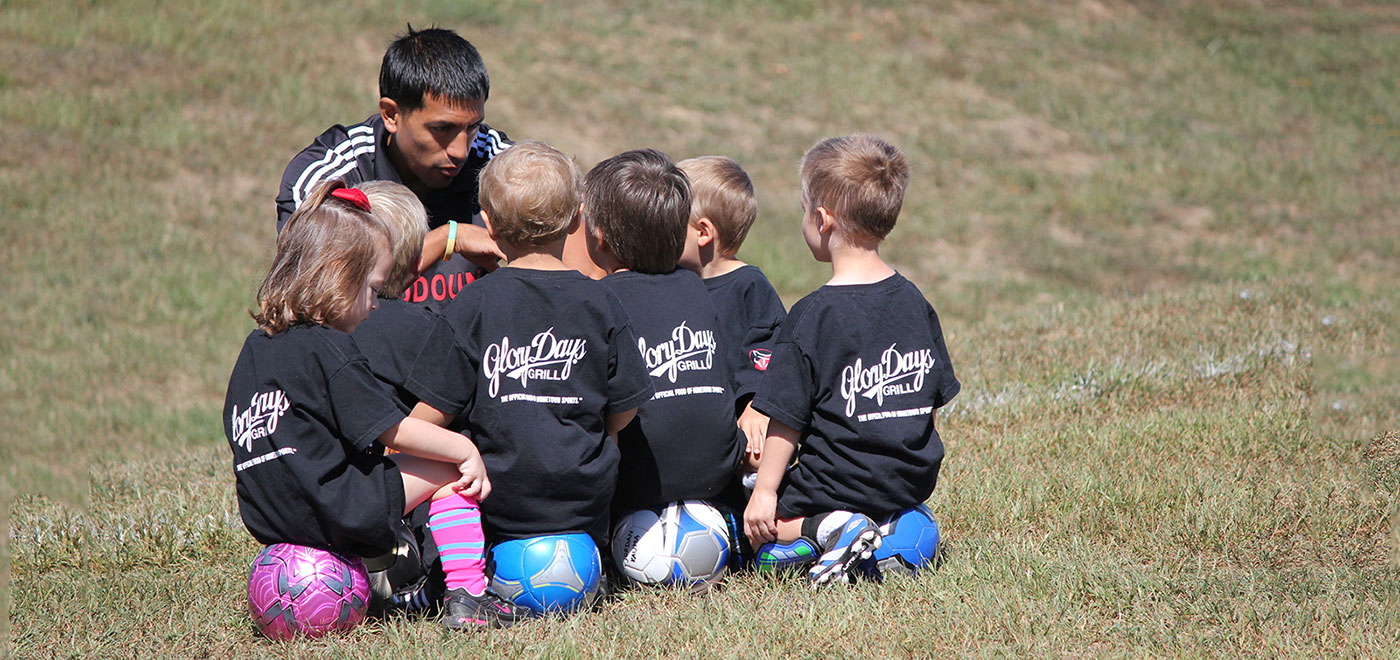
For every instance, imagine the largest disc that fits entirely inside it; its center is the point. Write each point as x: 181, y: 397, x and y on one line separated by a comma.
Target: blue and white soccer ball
x: 550, y: 573
x: 910, y: 541
x: 683, y: 544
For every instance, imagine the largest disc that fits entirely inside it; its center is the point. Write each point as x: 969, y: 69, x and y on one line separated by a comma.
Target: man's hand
x: 473, y: 242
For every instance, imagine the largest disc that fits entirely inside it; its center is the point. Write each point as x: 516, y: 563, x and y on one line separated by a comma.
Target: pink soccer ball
x: 295, y: 590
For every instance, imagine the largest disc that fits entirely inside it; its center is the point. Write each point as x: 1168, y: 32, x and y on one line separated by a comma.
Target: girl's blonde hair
x: 324, y: 256
x: 399, y: 209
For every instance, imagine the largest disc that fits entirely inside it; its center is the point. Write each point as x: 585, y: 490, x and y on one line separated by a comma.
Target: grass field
x: 1163, y: 238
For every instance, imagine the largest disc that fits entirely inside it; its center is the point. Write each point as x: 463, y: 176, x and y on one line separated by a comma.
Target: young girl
x: 308, y: 422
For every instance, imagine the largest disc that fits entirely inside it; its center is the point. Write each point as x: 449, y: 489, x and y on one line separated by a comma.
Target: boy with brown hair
x: 683, y: 444
x: 722, y: 208
x: 858, y: 371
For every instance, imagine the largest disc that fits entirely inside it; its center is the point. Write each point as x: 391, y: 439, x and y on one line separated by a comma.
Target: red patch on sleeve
x: 760, y: 357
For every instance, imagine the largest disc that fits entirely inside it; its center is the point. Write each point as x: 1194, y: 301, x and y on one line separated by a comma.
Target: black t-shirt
x: 302, y: 416
x: 357, y: 154
x: 413, y: 352
x: 551, y: 354
x: 684, y: 443
x: 750, y: 312
x: 858, y: 370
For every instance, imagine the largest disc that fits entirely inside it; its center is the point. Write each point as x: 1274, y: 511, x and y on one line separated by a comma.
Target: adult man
x: 428, y: 135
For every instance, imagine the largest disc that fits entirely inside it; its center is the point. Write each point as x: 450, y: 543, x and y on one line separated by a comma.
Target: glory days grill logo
x: 686, y: 350
x: 546, y: 357
x: 896, y: 373
x: 259, y: 419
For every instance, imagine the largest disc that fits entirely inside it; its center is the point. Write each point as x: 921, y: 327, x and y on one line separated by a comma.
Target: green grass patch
x: 1162, y: 239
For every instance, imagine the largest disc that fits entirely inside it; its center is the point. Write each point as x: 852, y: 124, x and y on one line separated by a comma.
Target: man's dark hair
x: 432, y: 61
x: 639, y: 202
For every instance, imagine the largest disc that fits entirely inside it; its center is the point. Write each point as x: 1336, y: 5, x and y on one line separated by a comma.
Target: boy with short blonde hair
x: 533, y: 199
x: 723, y: 195
x: 412, y: 352
x: 723, y: 208
x: 552, y: 359
x: 409, y: 348
x: 407, y: 220
x: 858, y: 371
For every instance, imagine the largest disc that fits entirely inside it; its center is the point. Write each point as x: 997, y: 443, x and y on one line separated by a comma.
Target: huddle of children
x: 545, y: 400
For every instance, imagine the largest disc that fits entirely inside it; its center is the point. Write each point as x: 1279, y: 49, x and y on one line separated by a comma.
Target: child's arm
x: 430, y: 414
x: 417, y: 437
x: 761, y: 515
x: 618, y: 421
x: 754, y: 424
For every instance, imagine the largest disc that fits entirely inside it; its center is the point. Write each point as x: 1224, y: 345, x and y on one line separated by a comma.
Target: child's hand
x: 761, y: 517
x: 754, y: 424
x: 474, y: 482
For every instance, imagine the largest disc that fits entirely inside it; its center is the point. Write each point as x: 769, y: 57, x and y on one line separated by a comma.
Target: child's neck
x: 548, y: 257
x: 719, y: 266
x: 857, y: 262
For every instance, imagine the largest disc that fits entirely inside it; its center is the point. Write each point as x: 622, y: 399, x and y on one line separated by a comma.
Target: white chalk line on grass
x: 1098, y: 378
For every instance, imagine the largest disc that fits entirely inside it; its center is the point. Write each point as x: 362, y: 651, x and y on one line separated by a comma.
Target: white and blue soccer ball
x: 550, y: 573
x: 910, y: 541
x: 684, y: 544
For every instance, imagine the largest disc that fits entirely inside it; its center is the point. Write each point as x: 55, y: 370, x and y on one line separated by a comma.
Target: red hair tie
x: 354, y: 196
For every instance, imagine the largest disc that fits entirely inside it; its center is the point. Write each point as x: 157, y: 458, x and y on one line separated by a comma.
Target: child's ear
x: 826, y: 221
x: 706, y: 232
x: 490, y: 228
x: 596, y: 240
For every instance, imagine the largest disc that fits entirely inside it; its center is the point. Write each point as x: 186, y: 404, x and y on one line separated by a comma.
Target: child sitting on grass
x: 411, y: 350
x: 858, y: 371
x: 683, y: 444
x: 409, y: 347
x: 307, y: 421
x: 554, y: 368
x: 722, y: 208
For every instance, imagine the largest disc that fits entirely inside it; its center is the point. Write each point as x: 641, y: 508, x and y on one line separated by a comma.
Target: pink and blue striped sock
x: 455, y: 522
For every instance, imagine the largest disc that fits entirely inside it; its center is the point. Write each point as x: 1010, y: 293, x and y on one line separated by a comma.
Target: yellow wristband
x: 451, y: 240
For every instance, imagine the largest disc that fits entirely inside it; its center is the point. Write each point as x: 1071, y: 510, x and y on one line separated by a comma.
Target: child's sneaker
x: 463, y: 611
x: 783, y: 557
x: 843, y: 546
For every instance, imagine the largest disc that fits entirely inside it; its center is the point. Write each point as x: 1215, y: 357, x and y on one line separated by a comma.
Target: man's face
x: 430, y: 144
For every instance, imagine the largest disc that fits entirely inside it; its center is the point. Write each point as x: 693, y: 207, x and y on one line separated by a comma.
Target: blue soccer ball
x: 910, y: 541
x: 550, y: 573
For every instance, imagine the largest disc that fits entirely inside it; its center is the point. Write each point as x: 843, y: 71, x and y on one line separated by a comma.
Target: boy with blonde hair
x: 858, y: 371
x: 410, y: 350
x: 722, y: 209
x: 553, y: 370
